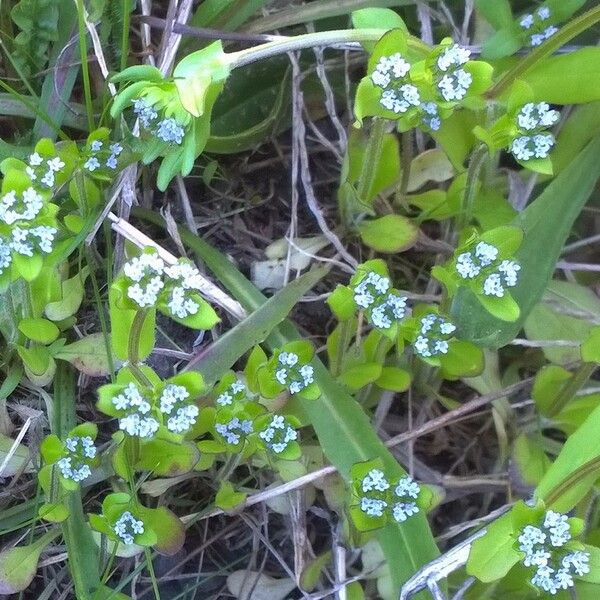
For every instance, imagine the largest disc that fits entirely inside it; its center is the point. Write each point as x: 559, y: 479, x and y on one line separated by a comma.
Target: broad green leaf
x: 360, y: 375
x: 549, y: 381
x: 376, y: 18
x: 341, y: 302
x: 547, y: 222
x: 39, y: 330
x: 71, y: 298
x: 576, y: 468
x: 590, y: 349
x: 227, y: 498
x: 388, y: 234
x: 88, y: 355
x: 18, y: 565
x: 530, y: 459
x: 572, y: 78
x: 493, y: 555
x: 169, y: 530
x: 343, y: 428
x: 394, y: 379
x: 162, y: 457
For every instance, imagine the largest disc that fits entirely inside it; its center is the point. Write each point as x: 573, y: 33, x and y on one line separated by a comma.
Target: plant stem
x: 126, y: 6
x: 87, y: 88
x: 579, y: 379
x: 345, y: 336
x: 81, y: 548
x: 475, y: 165
x: 370, y: 160
x: 310, y: 40
x: 148, y: 556
x: 133, y: 347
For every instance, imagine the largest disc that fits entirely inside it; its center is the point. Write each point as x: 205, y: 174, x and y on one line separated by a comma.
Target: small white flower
x: 288, y: 358
x: 35, y: 160
x: 431, y: 117
x: 5, y: 255
x: 307, y: 373
x: 224, y: 399
x: 30, y: 173
x: 169, y: 130
x: 542, y: 144
x: 92, y: 163
x: 526, y: 21
x: 375, y: 480
x: 48, y: 179
x: 389, y: 68
x: 537, y: 39
x: 73, y: 466
x: 455, y: 85
x: 549, y: 31
x: 116, y: 148
x: 278, y: 434
x: 180, y: 306
x: 170, y: 396
x: 281, y: 376
x: 543, y: 13
x: 183, y: 419
x: 96, y: 146
x: 145, y: 113
x: 55, y: 164
x: 373, y: 507
x: 401, y: 511
x: 543, y: 579
x: 579, y: 560
x: 407, y: 486
x: 26, y: 209
x: 127, y: 527
x: 558, y: 528
x: 492, y: 286
x: 523, y: 148
x: 428, y: 343
x: 537, y: 558
x: 530, y: 537
x: 563, y: 579
x: 454, y: 56
x: 139, y: 426
x: 111, y: 162
x: 466, y: 267
x: 237, y: 386
x: 146, y: 272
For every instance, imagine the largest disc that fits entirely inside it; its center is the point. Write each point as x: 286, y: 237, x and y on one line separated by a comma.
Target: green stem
x: 87, y: 88
x: 310, y: 40
x: 345, y: 337
x: 148, y: 556
x: 475, y: 165
x: 133, y: 347
x: 579, y: 379
x: 81, y: 548
x: 126, y: 8
x: 560, y: 38
x: 371, y: 158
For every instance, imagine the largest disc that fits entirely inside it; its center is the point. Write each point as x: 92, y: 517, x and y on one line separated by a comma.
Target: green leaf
x: 87, y: 355
x: 341, y: 425
x: 504, y: 308
x: 462, y: 360
x: 227, y: 498
x: 163, y: 457
x: 360, y: 375
x: 195, y: 73
x: 71, y: 297
x: 394, y: 379
x: 493, y: 555
x: 548, y: 383
x: 389, y: 234
x: 169, y: 530
x: 39, y: 330
x: 572, y: 78
x: 546, y: 222
x: 18, y: 565
x: 590, y: 349
x: 497, y: 13
x: 575, y: 470
x: 377, y: 18
x: 341, y: 302
x: 530, y: 459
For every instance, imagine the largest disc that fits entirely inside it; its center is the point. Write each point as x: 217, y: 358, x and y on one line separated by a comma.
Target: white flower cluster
x: 36, y: 170
x: 554, y: 569
x: 99, y: 155
x: 534, y: 142
x: 25, y: 208
x: 294, y: 376
x: 234, y: 392
x: 376, y: 484
x: 278, y: 434
x: 527, y: 147
x: 384, y: 308
x: 168, y: 130
x: 537, y: 28
x: 150, y: 277
x: 537, y: 116
x: 398, y: 96
x: 235, y: 429
x: 137, y: 422
x: 172, y: 401
x: 455, y: 81
x: 26, y: 241
x: 407, y: 488
x: 145, y: 271
x: 470, y: 265
x: 75, y: 465
x: 127, y: 527
x: 185, y: 278
x: 431, y: 116
x: 433, y: 336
